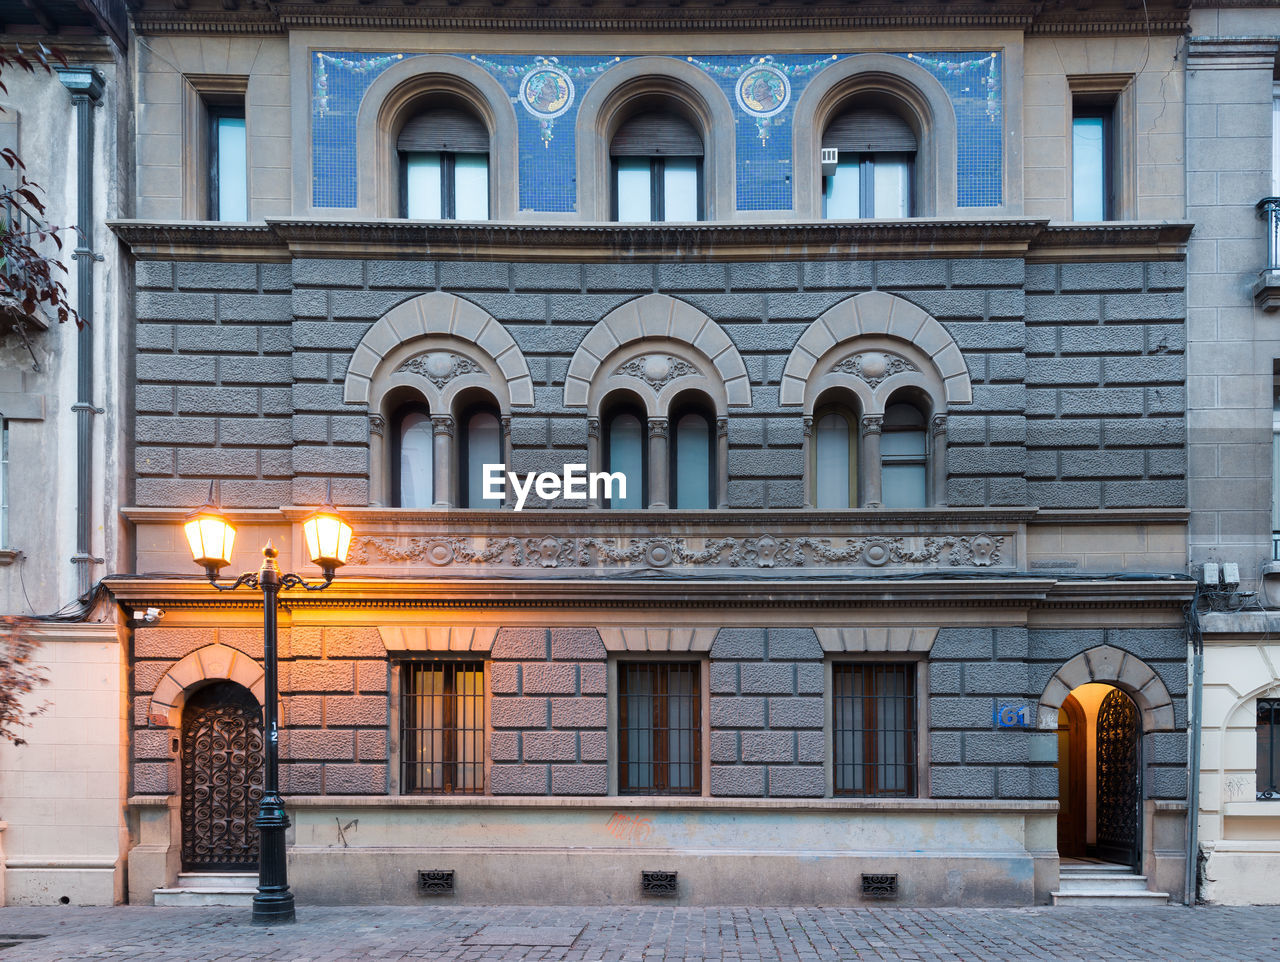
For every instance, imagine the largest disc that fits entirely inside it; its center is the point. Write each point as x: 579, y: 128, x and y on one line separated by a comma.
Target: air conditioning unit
x: 830, y: 157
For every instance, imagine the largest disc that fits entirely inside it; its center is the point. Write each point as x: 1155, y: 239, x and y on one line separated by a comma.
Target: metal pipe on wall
x: 86, y: 85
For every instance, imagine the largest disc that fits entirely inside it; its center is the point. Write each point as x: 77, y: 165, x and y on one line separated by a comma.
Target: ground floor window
x: 659, y: 729
x: 1269, y: 748
x: 874, y: 723
x: 442, y: 727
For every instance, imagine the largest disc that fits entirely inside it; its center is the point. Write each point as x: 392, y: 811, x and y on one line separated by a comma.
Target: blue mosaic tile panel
x: 547, y: 91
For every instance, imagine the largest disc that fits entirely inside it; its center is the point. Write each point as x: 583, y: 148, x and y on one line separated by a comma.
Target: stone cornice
x: 1043, y: 17
x: 279, y: 239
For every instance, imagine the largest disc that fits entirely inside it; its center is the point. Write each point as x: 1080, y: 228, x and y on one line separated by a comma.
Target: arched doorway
x: 1099, y: 776
x: 222, y: 758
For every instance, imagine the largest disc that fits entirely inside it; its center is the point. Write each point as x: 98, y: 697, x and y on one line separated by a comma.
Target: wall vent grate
x: 435, y: 881
x: 879, y: 886
x: 658, y: 883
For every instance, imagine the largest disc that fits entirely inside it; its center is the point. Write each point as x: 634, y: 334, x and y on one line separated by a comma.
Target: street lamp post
x: 211, y: 536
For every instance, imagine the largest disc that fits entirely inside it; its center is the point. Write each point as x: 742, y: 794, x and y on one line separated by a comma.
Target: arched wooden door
x: 222, y: 756
x: 1119, y: 796
x: 1072, y: 779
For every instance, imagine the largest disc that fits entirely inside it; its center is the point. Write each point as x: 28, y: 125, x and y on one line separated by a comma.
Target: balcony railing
x: 1266, y: 293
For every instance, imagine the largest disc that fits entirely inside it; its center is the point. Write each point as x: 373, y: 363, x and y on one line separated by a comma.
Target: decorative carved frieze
x: 656, y: 370
x: 763, y: 551
x: 873, y: 367
x: 440, y: 367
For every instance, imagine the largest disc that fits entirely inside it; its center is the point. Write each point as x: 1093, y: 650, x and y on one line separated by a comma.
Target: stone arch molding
x: 1113, y: 666
x: 656, y: 346
x: 438, y: 344
x: 210, y: 663
x: 884, y: 323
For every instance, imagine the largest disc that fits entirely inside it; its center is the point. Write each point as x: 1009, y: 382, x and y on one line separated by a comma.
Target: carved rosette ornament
x: 873, y: 367
x: 656, y: 370
x: 764, y: 551
x: 440, y: 367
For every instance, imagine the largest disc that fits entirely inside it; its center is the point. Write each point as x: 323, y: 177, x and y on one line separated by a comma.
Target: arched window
x: 903, y: 457
x: 657, y: 169
x: 413, y: 464
x: 874, y: 152
x: 693, y: 459
x: 835, y: 457
x: 626, y: 452
x: 481, y: 444
x: 444, y: 165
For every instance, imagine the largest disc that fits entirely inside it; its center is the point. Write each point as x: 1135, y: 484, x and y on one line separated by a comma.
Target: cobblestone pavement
x: 641, y: 933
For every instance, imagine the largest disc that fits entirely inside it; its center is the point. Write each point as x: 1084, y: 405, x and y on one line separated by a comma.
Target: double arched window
x: 432, y: 468
x: 671, y: 461
x: 443, y: 151
x: 872, y: 460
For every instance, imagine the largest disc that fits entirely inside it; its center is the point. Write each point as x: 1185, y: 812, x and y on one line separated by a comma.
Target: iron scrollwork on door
x: 1118, y: 795
x: 222, y: 755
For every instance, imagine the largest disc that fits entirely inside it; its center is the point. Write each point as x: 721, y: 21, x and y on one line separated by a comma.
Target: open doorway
x: 1099, y: 776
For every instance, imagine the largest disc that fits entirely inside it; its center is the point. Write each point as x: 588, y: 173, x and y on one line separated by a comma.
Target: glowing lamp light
x: 328, y: 540
x: 211, y: 537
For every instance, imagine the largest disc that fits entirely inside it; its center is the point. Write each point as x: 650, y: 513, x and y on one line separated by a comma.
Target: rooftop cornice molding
x: 1043, y: 17
x: 279, y: 239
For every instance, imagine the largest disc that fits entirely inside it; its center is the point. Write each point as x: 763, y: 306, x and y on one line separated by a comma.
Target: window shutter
x: 656, y: 135
x: 870, y: 130
x: 444, y: 128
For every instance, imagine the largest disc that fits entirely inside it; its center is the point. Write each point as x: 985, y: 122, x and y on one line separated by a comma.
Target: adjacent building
x: 63, y: 407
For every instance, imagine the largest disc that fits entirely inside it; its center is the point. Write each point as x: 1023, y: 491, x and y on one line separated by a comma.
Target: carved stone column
x: 509, y: 496
x: 722, y: 462
x: 938, y: 461
x: 379, y: 470
x: 658, y: 463
x: 806, y: 459
x: 442, y: 438
x: 594, y: 461
x: 872, y: 425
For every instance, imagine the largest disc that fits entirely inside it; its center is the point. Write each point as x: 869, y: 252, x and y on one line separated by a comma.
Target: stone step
x: 1101, y: 881
x: 1110, y: 897
x: 203, y: 895
x: 1109, y: 867
x: 219, y: 880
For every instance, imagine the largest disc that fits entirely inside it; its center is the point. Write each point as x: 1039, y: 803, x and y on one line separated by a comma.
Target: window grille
x: 442, y: 727
x: 875, y: 729
x: 1269, y: 748
x: 660, y: 729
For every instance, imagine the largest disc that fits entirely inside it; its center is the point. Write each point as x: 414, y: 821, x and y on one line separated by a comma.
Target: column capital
x: 872, y: 424
x: 443, y: 424
x: 938, y: 424
x: 657, y: 427
x: 377, y: 424
x: 593, y: 428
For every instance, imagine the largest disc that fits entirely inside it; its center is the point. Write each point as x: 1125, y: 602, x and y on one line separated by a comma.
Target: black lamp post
x: 328, y: 537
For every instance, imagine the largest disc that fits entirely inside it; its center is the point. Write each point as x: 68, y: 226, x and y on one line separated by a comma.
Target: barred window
x: 660, y: 729
x: 442, y: 727
x: 875, y: 729
x: 1269, y: 748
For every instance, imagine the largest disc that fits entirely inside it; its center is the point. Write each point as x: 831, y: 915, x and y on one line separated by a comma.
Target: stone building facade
x: 826, y: 660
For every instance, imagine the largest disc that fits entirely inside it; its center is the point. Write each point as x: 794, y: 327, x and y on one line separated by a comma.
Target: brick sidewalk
x: 642, y: 933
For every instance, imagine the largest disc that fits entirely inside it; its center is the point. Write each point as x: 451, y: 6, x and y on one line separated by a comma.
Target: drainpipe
x: 1193, y: 753
x: 86, y: 85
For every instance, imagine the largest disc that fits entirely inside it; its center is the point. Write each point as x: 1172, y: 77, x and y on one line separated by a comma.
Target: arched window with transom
x: 834, y: 456
x: 656, y: 162
x: 444, y: 163
x: 626, y: 450
x: 480, y: 443
x: 869, y: 153
x: 412, y: 457
x: 693, y: 452
x: 904, y: 453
